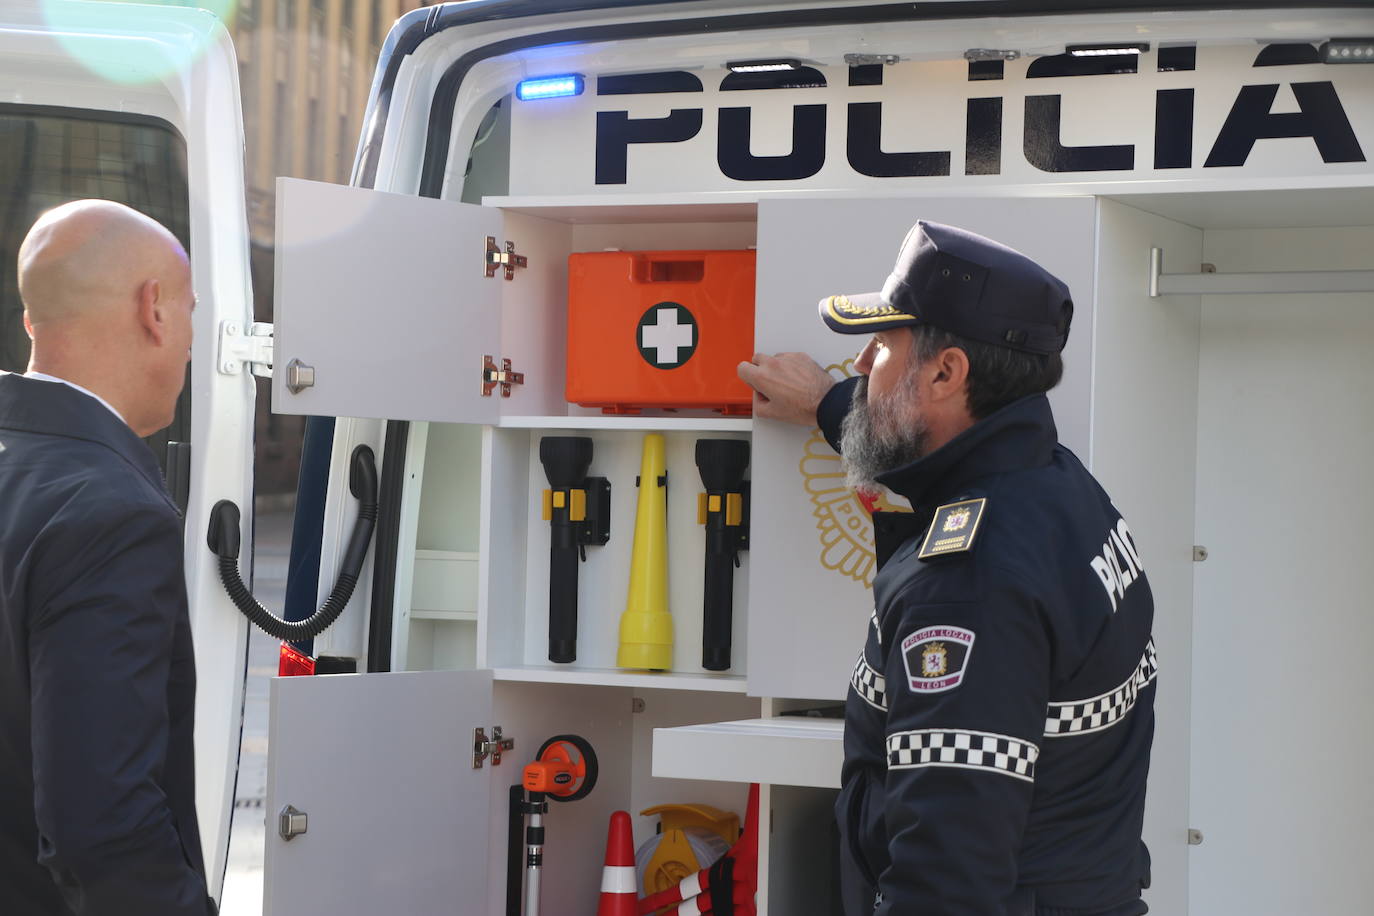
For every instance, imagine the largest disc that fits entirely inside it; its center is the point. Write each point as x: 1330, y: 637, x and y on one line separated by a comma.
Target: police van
x: 1198, y: 175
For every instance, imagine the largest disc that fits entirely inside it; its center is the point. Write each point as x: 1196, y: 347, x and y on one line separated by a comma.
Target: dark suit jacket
x: 97, y: 676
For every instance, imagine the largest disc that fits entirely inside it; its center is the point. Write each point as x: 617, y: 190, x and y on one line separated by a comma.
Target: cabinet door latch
x: 291, y: 823
x: 482, y: 747
x: 497, y: 259
x: 299, y: 376
x: 503, y: 375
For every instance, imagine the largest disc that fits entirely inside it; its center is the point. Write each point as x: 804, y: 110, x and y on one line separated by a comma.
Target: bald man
x: 97, y: 677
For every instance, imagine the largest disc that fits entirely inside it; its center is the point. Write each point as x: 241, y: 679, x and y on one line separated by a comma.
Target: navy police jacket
x: 97, y: 676
x: 999, y: 718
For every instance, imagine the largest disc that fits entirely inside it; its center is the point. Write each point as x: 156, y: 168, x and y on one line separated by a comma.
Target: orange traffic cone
x: 619, y: 887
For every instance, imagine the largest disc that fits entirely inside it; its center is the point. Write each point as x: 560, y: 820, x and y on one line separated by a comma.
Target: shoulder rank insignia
x: 953, y: 529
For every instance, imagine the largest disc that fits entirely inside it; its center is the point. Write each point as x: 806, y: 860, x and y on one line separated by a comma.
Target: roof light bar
x: 763, y: 66
x: 1348, y: 51
x: 550, y: 87
x: 1114, y: 50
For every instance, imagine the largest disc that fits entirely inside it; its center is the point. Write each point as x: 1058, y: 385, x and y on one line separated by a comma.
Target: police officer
x: 1000, y: 715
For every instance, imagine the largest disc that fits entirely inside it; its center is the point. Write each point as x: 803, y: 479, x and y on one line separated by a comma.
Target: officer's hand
x: 787, y: 387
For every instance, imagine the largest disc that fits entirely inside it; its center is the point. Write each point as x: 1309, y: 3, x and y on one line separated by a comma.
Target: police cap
x: 965, y: 284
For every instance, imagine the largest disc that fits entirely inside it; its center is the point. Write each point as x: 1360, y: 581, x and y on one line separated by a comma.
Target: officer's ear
x: 948, y: 375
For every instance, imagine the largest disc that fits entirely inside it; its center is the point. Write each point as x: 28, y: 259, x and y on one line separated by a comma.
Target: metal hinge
x: 482, y: 748
x: 239, y: 347
x: 496, y: 258
x: 869, y: 60
x: 503, y: 375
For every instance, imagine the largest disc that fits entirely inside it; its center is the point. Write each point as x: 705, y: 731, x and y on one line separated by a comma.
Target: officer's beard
x: 880, y: 436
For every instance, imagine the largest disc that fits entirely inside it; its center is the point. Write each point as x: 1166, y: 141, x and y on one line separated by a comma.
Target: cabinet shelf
x: 632, y: 423
x: 592, y: 209
x: 789, y: 751
x: 421, y: 614
x: 612, y: 677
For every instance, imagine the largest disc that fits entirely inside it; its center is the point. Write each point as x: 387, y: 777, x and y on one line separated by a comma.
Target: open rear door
x: 140, y: 104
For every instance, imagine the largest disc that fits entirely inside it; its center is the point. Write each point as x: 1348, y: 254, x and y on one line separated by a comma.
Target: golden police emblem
x: 958, y: 520
x: 843, y: 523
x: 934, y: 660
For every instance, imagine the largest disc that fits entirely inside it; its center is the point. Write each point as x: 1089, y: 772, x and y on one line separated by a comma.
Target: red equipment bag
x: 660, y: 329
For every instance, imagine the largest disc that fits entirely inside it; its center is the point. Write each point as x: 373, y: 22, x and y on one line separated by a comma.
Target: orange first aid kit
x: 660, y: 329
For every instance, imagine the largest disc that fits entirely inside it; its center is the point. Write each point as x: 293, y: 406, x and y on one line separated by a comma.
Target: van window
x: 49, y: 156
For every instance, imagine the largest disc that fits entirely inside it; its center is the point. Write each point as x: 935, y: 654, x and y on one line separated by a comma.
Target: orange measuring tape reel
x: 564, y: 769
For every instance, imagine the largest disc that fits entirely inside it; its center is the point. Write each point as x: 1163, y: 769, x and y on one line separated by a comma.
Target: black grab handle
x: 224, y: 540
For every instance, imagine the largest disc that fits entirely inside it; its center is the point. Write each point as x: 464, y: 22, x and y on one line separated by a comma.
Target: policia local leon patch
x: 936, y: 658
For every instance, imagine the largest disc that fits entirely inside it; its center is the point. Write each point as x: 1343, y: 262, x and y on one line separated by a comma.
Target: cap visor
x: 864, y: 313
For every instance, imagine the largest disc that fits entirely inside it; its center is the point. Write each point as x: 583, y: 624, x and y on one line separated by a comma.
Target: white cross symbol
x: 666, y: 334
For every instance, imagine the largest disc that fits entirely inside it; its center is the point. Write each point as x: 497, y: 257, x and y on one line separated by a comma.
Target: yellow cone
x: 646, y: 629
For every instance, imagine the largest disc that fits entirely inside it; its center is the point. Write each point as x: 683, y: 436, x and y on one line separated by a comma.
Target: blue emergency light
x: 550, y: 87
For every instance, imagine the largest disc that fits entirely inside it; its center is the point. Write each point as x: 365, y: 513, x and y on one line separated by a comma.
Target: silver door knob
x: 291, y: 823
x: 299, y: 376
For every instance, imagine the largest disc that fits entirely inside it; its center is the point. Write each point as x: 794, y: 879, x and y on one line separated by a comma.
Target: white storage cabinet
x: 385, y: 296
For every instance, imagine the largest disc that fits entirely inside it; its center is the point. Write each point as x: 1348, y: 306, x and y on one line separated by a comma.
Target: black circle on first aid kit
x: 667, y: 335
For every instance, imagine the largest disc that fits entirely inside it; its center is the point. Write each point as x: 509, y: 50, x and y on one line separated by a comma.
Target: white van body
x: 1216, y: 388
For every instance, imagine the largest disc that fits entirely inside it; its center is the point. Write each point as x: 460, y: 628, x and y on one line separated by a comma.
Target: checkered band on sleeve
x: 1149, y: 665
x: 869, y: 684
x: 1083, y: 717
x: 931, y: 747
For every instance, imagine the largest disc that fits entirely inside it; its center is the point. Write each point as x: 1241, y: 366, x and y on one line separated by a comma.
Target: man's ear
x: 949, y: 376
x: 152, y: 311
x: 28, y: 325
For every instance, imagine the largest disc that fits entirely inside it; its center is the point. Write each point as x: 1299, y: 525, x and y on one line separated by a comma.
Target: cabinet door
x: 381, y: 764
x: 385, y: 297
x: 811, y: 552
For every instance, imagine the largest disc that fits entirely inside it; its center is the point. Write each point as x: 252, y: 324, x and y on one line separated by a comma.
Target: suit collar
x: 44, y: 377
x: 34, y: 406
x: 1020, y: 435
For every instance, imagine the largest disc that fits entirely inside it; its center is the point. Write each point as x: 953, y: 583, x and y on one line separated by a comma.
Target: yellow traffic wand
x: 646, y: 629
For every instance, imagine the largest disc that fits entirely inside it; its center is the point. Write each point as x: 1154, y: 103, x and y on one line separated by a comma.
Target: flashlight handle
x: 718, y: 599
x: 563, y: 559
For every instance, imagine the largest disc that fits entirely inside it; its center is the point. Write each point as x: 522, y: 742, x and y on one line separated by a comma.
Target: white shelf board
x: 709, y: 207
x: 632, y: 423
x: 421, y: 614
x: 786, y: 751
x: 612, y: 677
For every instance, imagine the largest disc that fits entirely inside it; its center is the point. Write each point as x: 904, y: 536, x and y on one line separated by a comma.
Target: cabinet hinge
x: 503, y: 375
x: 482, y: 747
x: 249, y: 346
x: 497, y: 259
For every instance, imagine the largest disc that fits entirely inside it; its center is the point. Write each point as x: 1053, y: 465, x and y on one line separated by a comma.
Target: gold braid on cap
x: 855, y: 315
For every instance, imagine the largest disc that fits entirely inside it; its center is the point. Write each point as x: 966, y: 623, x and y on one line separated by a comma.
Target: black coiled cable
x: 223, y: 539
